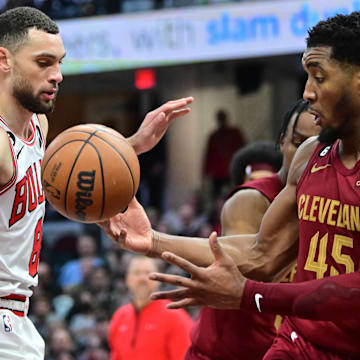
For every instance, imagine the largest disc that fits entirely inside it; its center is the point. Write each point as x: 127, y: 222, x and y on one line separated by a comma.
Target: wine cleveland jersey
x: 21, y: 213
x: 328, y: 197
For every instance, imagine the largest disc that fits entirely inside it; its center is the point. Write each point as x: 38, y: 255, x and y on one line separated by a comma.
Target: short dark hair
x: 15, y: 24
x: 254, y: 153
x: 297, y: 108
x: 341, y: 33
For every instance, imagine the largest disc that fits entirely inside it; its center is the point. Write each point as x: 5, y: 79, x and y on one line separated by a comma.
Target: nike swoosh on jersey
x: 257, y: 301
x: 316, y: 168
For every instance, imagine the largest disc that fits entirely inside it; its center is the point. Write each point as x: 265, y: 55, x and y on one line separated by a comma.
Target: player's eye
x: 42, y: 63
x: 319, y: 79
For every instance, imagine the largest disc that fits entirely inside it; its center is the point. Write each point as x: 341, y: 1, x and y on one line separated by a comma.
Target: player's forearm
x: 254, y: 261
x: 192, y: 249
x: 332, y: 298
x: 196, y: 250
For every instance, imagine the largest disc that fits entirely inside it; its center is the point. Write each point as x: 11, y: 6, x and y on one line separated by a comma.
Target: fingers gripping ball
x: 90, y: 173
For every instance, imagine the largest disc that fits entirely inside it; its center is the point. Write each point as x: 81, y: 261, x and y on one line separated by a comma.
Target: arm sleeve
x: 179, y: 335
x: 332, y: 298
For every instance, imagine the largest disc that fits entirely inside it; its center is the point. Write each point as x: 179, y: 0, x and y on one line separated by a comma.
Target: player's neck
x: 282, y: 174
x: 349, y: 151
x: 16, y: 117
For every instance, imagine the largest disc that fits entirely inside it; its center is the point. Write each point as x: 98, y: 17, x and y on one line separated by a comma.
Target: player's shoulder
x: 6, y: 159
x: 307, y: 147
x: 243, y: 211
x: 4, y: 140
x: 3, y: 133
x: 301, y: 158
x: 245, y: 197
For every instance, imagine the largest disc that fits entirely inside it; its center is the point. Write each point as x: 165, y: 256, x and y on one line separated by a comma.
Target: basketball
x: 90, y: 173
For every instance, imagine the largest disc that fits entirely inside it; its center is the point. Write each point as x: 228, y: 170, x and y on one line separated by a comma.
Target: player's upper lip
x: 51, y: 91
x: 313, y: 112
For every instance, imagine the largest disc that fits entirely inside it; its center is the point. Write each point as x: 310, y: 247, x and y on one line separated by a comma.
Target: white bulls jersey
x: 22, y: 210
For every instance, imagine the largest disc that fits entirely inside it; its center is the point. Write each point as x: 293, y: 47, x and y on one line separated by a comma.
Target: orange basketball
x: 90, y: 173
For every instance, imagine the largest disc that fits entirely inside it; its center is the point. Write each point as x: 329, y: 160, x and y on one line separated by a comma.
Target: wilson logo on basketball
x: 86, y: 182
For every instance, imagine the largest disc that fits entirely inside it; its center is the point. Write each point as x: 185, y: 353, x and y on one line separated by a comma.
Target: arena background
x: 240, y: 56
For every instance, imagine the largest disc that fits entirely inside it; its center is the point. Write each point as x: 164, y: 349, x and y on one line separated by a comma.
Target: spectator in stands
x: 221, y: 146
x: 97, y: 348
x: 73, y: 272
x: 98, y: 285
x: 42, y: 315
x: 60, y: 345
x: 145, y: 326
x: 47, y: 284
x: 83, y: 318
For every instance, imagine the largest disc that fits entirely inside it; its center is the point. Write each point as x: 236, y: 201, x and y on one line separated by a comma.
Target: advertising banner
x: 193, y: 34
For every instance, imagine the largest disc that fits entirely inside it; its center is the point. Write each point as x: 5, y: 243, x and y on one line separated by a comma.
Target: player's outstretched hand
x: 219, y: 285
x: 156, y: 123
x: 131, y: 229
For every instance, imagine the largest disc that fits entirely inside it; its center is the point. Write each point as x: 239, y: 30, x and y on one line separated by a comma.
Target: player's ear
x: 5, y: 59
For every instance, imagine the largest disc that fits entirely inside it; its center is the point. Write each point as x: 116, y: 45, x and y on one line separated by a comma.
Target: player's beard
x: 329, y: 135
x: 24, y: 93
x: 343, y: 109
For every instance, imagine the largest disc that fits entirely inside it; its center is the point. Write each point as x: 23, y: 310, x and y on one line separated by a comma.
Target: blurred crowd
x: 82, y: 277
x: 64, y: 9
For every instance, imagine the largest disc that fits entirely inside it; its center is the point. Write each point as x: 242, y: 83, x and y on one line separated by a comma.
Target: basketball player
x: 315, y: 219
x: 31, y: 51
x: 320, y: 203
x: 238, y: 334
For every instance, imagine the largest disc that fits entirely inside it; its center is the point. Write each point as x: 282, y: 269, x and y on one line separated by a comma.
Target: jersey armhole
x: 11, y: 182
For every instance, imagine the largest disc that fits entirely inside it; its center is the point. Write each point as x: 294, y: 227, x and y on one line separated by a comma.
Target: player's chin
x: 48, y: 107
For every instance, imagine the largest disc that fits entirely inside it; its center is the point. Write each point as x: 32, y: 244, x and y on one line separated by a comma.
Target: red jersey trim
x: 21, y: 298
x: 15, y: 297
x: 31, y: 139
x: 18, y: 313
x: 42, y: 132
x: 10, y: 184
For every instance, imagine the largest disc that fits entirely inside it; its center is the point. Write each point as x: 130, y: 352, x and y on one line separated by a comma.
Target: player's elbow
x: 262, y: 271
x: 273, y: 262
x: 265, y: 266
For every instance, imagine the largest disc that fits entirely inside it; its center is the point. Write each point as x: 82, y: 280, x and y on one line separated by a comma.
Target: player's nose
x: 56, y: 75
x: 309, y: 93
